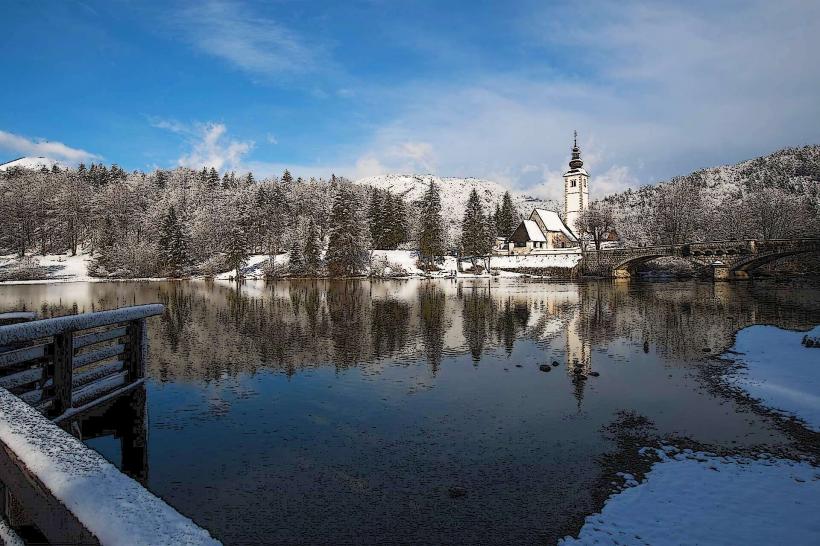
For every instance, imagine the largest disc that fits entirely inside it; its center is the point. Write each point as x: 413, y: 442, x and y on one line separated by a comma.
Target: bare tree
x: 596, y: 222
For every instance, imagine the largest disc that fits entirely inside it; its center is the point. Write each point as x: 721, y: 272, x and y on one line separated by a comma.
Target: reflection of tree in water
x: 215, y: 330
x: 432, y: 303
x: 177, y: 316
x: 476, y: 316
x: 513, y: 317
x: 389, y: 321
x: 683, y: 318
x: 346, y: 307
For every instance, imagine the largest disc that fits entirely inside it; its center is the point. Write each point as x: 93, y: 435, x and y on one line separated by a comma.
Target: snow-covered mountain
x: 33, y: 163
x: 454, y: 193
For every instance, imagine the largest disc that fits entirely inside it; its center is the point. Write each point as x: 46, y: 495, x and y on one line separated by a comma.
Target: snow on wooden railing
x: 71, y: 494
x: 45, y: 362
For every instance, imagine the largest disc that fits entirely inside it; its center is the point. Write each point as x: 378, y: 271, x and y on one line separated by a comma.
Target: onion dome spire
x: 575, y: 162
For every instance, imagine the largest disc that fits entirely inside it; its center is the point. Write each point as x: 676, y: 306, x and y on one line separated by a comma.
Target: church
x: 545, y: 230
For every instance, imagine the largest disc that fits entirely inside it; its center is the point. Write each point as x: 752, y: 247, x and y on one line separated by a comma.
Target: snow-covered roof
x: 553, y: 222
x: 533, y: 231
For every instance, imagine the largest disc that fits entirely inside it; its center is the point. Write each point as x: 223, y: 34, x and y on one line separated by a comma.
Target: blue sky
x: 487, y: 89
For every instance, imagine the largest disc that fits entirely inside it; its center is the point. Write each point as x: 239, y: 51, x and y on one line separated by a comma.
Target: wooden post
x: 63, y: 359
x: 135, y: 362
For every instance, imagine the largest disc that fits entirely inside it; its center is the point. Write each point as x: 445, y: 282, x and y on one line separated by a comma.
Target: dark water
x: 415, y: 411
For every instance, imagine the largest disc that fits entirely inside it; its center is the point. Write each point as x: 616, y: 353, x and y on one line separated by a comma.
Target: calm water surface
x: 415, y: 411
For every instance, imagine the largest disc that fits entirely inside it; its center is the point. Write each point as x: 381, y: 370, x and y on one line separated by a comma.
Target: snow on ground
x: 779, y: 371
x: 698, y: 498
x: 537, y: 261
x: 254, y: 268
x: 33, y: 163
x: 67, y: 268
x: 59, y: 267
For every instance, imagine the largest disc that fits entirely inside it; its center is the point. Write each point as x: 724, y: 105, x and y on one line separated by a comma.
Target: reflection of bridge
x: 727, y: 259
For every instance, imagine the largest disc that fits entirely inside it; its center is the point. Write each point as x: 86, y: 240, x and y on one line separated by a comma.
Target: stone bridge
x: 727, y: 259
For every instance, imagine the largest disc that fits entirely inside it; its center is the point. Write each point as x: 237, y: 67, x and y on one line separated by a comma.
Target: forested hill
x: 773, y: 196
x: 454, y: 193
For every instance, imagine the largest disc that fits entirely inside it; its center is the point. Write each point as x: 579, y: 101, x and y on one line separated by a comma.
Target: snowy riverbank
x: 776, y: 369
x: 54, y: 268
x: 699, y: 498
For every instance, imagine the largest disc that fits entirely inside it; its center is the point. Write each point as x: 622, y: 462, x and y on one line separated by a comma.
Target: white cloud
x: 38, y: 147
x: 654, y: 89
x: 209, y: 146
x: 235, y: 33
x: 271, y: 139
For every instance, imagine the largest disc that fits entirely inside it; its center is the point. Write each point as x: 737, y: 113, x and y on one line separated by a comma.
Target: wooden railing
x: 56, y: 490
x: 63, y: 365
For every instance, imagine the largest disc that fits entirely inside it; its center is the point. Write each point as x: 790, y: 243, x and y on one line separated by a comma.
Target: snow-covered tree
x: 431, y: 231
x: 474, y: 239
x: 347, y: 248
x: 173, y: 245
x: 312, y: 251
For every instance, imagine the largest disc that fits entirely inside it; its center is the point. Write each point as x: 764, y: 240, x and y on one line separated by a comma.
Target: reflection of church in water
x: 578, y: 353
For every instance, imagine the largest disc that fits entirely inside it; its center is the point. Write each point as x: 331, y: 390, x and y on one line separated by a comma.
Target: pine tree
x: 160, y: 179
x: 212, y: 180
x: 375, y: 219
x: 236, y: 251
x: 173, y: 244
x: 507, y: 218
x: 431, y: 235
x: 347, y: 248
x: 312, y: 252
x: 295, y: 261
x: 286, y: 177
x: 249, y: 180
x: 474, y: 229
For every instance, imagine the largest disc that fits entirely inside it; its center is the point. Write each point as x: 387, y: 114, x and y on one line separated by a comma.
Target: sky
x: 454, y: 88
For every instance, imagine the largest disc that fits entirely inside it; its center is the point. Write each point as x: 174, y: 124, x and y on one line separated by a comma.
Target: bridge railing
x: 63, y: 364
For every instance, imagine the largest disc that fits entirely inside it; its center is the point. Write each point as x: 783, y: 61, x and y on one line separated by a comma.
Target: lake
x: 417, y: 411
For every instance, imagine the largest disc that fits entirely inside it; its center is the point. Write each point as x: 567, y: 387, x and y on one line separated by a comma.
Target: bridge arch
x: 750, y: 263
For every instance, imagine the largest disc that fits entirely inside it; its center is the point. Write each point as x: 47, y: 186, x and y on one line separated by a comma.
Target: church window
x: 572, y: 184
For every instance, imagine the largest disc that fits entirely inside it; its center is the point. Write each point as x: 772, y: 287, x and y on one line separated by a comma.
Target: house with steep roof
x: 543, y: 230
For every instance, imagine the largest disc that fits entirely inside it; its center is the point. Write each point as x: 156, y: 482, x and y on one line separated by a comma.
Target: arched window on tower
x: 572, y: 184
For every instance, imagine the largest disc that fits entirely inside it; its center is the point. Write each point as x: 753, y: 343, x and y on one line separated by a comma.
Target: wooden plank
x: 27, y: 331
x: 48, y: 514
x: 100, y: 354
x: 63, y: 371
x: 99, y: 388
x: 73, y: 413
x: 89, y: 376
x: 21, y: 378
x: 135, y: 359
x: 32, y: 397
x: 98, y: 337
x: 10, y: 358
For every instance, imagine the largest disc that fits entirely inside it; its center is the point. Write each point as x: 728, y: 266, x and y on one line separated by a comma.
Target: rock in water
x: 555, y: 363
x: 593, y: 374
x: 544, y: 367
x: 456, y: 492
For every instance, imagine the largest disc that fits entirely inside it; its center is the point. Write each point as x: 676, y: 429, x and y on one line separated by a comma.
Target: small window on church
x: 572, y: 184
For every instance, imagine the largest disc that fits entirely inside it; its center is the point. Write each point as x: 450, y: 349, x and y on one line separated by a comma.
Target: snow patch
x: 699, y: 498
x: 779, y: 371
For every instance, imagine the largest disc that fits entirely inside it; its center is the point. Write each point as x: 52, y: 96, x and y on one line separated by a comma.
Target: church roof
x: 533, y: 231
x: 553, y: 222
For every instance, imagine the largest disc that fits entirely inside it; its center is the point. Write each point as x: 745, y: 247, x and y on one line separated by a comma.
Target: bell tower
x: 576, y: 188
